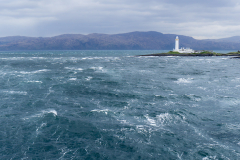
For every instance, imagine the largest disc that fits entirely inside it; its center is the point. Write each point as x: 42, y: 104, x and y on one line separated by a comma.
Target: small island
x: 190, y: 52
x: 203, y: 53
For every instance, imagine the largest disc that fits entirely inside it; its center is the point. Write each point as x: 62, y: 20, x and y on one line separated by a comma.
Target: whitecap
x: 54, y: 112
x: 22, y: 58
x: 42, y: 113
x: 96, y: 68
x: 34, y: 81
x: 13, y: 58
x: 16, y: 92
x: 183, y: 80
x: 98, y: 110
x: 209, y: 157
x: 42, y: 70
x: 140, y: 127
x: 73, y: 79
x: 33, y: 72
x: 88, y: 78
x: 72, y: 68
x: 92, y: 58
x: 165, y: 117
x: 151, y: 121
x: 160, y: 96
x: 79, y: 69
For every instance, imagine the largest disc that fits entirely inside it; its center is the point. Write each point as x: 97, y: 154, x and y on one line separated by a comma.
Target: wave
x: 23, y: 58
x: 72, y: 68
x: 105, y: 111
x: 42, y: 114
x: 72, y: 79
x: 34, y: 82
x: 97, y: 68
x: 88, y: 78
x: 16, y: 92
x: 34, y: 72
x: 165, y: 119
x: 184, y: 80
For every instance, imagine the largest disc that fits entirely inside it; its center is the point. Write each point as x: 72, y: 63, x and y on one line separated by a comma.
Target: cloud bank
x: 200, y: 19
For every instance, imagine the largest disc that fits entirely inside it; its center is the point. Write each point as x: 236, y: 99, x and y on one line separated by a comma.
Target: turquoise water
x: 113, y: 105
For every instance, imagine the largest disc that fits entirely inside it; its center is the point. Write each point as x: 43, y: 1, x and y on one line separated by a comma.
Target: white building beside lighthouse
x: 182, y: 50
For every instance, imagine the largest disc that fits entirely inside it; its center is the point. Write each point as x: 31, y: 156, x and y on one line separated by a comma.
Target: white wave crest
x: 33, y: 72
x: 91, y: 58
x: 98, y: 110
x: 164, y: 118
x: 53, y: 111
x: 34, y: 81
x: 42, y: 113
x: 97, y: 68
x: 209, y: 157
x: 23, y: 58
x: 16, y: 92
x: 183, y: 80
x: 88, y: 78
x: 72, y: 68
x: 151, y: 121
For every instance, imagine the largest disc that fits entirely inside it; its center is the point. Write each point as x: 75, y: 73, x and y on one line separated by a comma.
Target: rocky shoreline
x: 237, y: 54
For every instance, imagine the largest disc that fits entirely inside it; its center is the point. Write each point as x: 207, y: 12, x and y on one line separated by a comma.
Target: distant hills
x: 126, y: 41
x: 235, y: 39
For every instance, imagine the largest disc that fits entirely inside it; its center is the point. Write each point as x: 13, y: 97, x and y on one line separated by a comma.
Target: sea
x: 115, y: 105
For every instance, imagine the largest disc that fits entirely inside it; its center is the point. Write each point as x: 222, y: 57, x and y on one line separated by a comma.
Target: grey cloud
x: 200, y: 19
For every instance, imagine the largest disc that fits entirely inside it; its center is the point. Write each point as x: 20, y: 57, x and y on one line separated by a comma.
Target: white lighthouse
x: 176, y: 44
x: 182, y: 50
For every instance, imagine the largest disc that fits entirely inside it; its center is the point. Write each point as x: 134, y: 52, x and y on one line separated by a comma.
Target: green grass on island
x: 203, y: 53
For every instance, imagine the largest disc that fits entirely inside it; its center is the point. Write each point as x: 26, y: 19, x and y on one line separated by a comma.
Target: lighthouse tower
x: 176, y: 44
x: 182, y: 50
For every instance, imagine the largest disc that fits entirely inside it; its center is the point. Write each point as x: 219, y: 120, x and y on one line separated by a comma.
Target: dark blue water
x: 112, y: 105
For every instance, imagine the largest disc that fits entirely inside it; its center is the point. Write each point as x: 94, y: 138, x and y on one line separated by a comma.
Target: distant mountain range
x: 126, y: 41
x: 235, y: 39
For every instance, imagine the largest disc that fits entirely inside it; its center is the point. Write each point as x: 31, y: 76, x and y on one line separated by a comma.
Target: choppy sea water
x: 113, y: 105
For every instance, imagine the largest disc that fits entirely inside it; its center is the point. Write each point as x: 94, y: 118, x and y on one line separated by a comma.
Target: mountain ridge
x: 150, y: 40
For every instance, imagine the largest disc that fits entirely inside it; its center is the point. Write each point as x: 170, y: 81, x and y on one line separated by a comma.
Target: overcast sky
x: 200, y: 19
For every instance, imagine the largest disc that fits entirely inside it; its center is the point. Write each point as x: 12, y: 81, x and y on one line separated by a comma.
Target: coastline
x: 237, y: 54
